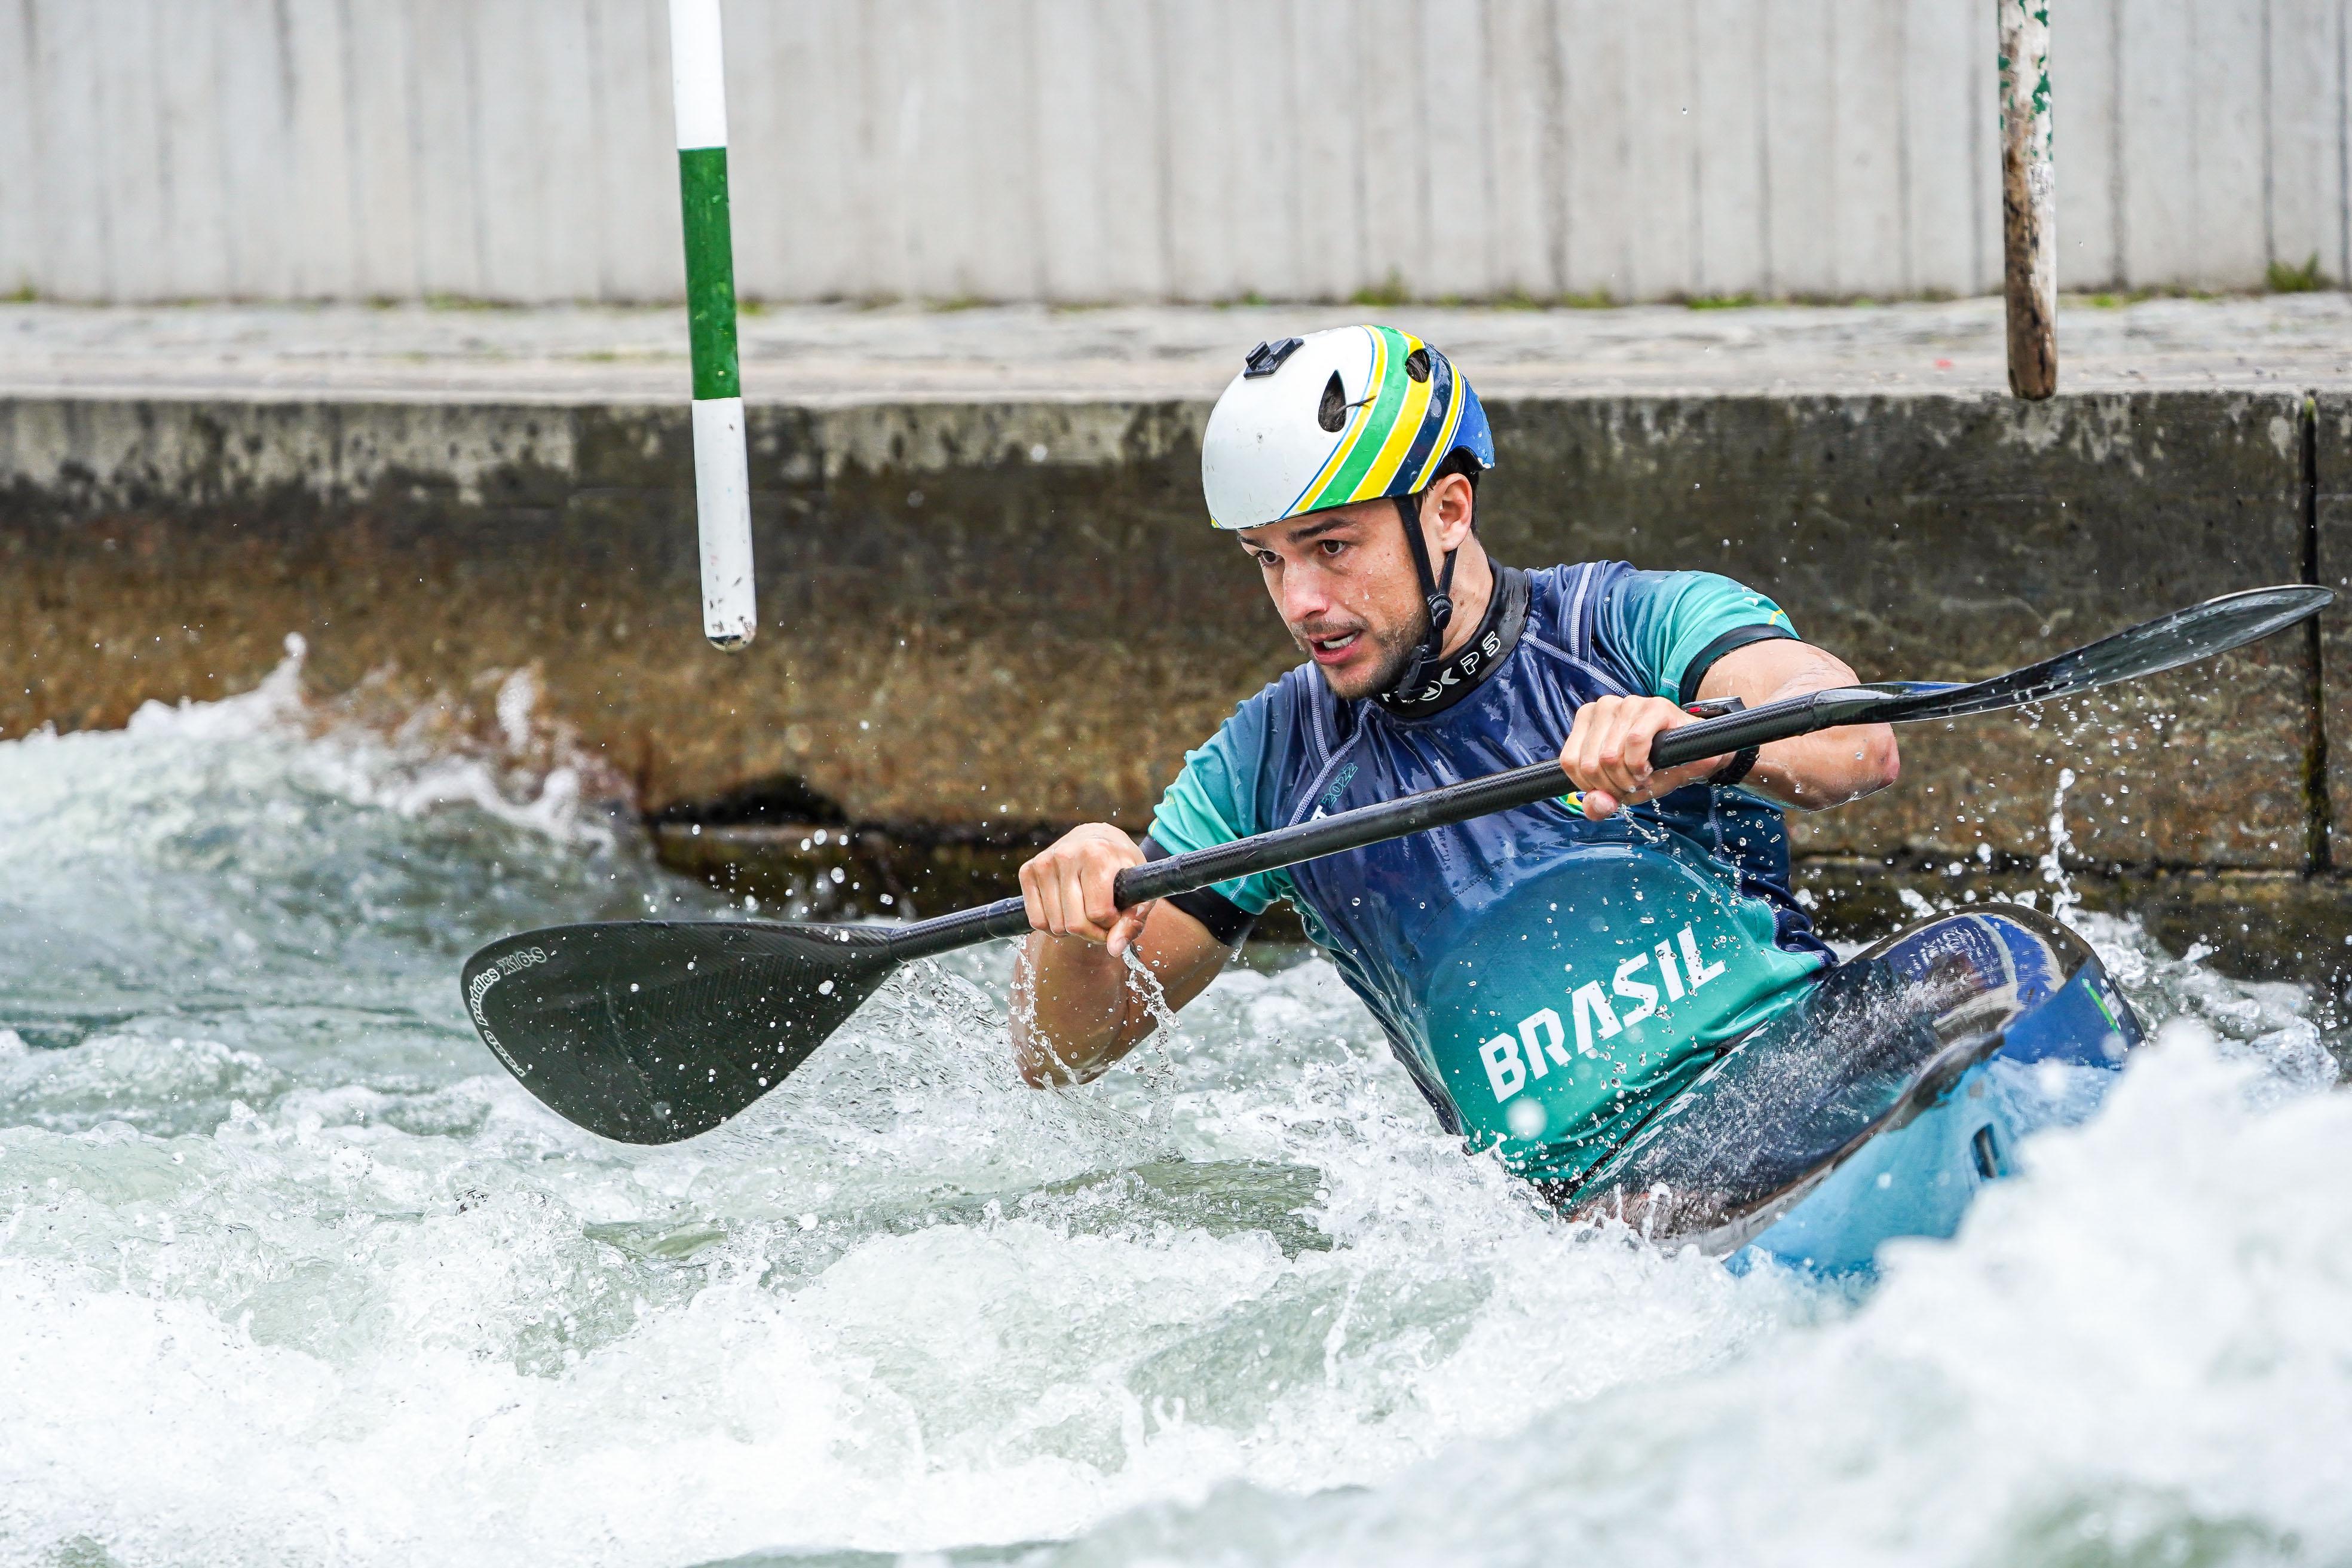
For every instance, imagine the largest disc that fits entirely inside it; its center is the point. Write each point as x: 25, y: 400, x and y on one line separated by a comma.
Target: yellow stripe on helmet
x: 1311, y: 497
x: 1376, y: 479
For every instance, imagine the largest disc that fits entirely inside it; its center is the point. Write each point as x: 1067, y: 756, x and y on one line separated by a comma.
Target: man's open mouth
x: 1331, y: 649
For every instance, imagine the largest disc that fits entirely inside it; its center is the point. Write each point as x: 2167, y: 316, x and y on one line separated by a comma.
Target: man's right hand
x: 1069, y: 888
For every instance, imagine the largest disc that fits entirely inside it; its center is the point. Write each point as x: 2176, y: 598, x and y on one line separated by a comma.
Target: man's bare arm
x: 1607, y: 752
x: 1809, y: 771
x: 1077, y: 1005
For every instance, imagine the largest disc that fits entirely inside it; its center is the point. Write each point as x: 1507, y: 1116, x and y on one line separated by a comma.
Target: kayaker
x: 1550, y: 976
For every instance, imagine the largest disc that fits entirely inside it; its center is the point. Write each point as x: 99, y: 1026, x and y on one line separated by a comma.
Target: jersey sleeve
x: 1215, y: 800
x: 1666, y: 629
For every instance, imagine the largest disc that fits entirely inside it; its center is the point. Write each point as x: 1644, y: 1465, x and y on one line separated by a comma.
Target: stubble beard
x: 1396, y: 647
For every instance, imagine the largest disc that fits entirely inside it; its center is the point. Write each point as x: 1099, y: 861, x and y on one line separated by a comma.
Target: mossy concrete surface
x: 988, y: 619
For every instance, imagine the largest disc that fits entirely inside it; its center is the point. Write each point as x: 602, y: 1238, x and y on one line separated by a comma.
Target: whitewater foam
x: 290, y: 1271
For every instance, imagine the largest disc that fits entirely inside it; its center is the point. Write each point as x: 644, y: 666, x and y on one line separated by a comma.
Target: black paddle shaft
x: 1393, y: 818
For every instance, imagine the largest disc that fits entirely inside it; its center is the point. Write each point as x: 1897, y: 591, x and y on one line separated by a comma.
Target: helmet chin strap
x: 1434, y: 595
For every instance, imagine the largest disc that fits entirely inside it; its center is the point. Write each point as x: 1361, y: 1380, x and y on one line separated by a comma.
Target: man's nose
x: 1305, y: 593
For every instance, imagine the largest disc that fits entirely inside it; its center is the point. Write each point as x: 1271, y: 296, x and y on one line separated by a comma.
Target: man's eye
x: 1332, y: 546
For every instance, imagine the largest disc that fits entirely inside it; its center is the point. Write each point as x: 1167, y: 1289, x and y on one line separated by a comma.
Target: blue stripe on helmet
x: 1471, y: 434
x: 1433, y: 423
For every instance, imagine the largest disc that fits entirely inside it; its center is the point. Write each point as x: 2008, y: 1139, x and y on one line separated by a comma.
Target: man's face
x: 1344, y: 582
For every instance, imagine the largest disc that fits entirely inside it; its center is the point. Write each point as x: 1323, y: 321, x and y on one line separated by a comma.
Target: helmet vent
x: 1416, y: 364
x: 1333, y: 413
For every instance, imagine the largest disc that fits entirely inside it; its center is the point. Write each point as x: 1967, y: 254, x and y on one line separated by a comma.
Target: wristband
x: 1743, y: 761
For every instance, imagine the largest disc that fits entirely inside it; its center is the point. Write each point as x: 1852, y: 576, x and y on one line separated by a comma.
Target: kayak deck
x: 1881, y: 1105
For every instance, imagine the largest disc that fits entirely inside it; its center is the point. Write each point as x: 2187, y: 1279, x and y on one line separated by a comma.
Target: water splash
x: 2064, y: 902
x: 290, y: 1271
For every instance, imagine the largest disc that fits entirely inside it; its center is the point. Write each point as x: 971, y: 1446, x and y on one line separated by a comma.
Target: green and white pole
x: 722, y: 478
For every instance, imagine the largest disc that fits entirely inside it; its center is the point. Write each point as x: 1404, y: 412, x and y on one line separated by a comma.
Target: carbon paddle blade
x: 2167, y: 642
x: 650, y: 1032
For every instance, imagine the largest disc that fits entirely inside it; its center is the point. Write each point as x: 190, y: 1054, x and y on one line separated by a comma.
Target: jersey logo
x: 1462, y: 666
x: 1542, y: 1040
x: 1329, y: 800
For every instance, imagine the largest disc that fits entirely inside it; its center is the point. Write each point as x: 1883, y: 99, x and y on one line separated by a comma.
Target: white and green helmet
x: 1334, y: 417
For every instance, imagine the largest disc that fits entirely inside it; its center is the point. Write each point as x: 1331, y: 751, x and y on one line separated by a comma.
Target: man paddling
x: 1550, y: 976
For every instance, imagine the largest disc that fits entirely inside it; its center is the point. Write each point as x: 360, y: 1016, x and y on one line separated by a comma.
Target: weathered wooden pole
x: 2028, y: 198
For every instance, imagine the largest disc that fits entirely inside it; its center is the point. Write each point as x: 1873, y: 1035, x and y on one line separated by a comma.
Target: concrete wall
x: 985, y: 616
x: 1090, y: 150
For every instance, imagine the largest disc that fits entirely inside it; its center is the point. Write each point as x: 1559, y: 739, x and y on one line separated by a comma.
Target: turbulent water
x: 290, y: 1272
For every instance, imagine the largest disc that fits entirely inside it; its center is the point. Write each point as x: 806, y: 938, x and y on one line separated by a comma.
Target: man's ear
x: 1455, y: 503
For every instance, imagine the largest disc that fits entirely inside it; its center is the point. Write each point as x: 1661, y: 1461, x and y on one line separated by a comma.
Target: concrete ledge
x: 981, y: 616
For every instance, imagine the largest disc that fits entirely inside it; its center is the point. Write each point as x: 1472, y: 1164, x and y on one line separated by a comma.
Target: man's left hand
x: 1608, y: 754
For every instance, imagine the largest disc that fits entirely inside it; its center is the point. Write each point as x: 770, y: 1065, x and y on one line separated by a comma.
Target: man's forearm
x: 1829, y: 767
x: 1812, y: 771
x: 1073, y: 1009
x: 1808, y: 772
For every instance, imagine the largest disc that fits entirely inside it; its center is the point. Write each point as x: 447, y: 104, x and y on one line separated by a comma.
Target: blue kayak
x: 1880, y: 1107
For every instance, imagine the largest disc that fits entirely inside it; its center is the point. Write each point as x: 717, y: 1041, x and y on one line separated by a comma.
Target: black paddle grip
x: 1330, y: 835
x: 1762, y: 726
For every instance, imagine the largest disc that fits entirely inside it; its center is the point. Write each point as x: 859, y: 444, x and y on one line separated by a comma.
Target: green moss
x: 2116, y: 299
x: 1392, y: 291
x: 2304, y: 280
x: 1720, y: 301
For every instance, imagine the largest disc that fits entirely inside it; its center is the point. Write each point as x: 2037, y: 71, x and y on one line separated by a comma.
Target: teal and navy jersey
x: 1548, y: 981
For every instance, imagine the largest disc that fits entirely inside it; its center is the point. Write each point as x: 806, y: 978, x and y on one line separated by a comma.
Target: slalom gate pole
x: 722, y: 482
